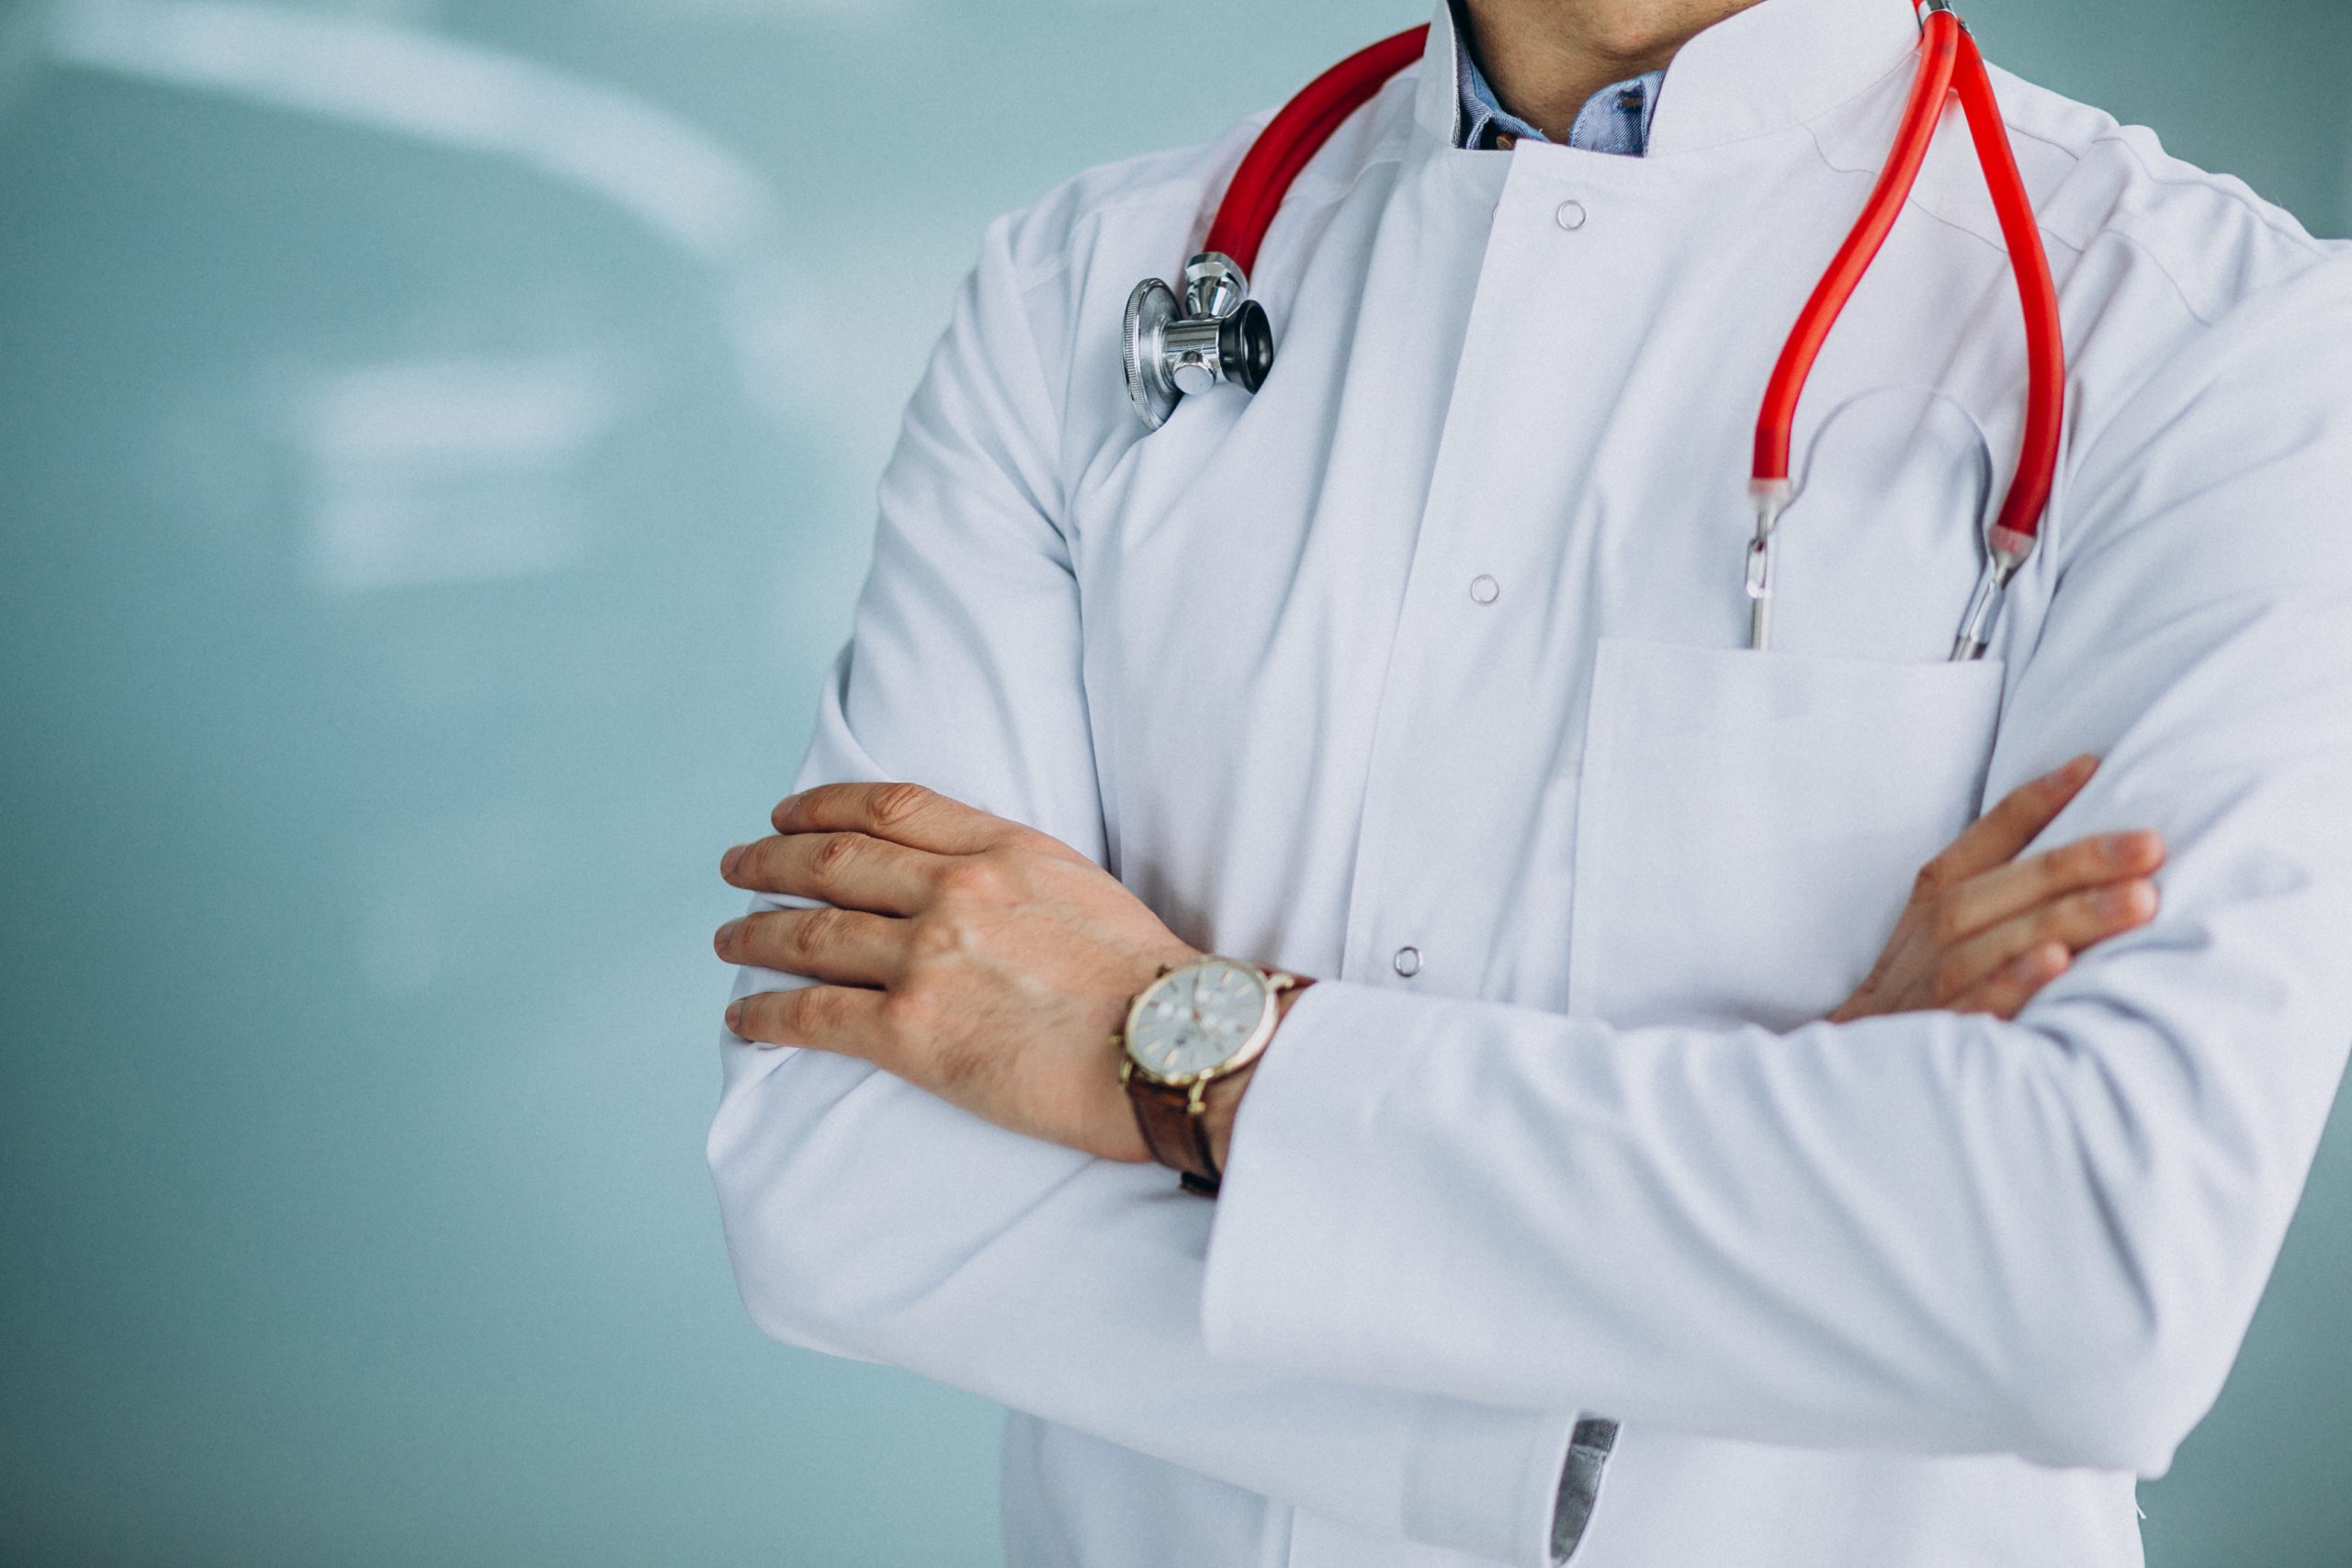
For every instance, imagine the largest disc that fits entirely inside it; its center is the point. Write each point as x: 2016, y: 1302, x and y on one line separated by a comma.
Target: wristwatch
x: 1187, y: 1029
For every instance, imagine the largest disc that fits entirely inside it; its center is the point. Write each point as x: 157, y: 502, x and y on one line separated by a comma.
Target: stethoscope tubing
x: 1292, y: 138
x: 1938, y: 54
x: 1949, y: 65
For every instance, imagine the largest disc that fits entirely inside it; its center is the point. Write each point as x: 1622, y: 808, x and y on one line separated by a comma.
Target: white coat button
x: 1407, y: 962
x: 1485, y: 589
x: 1571, y: 215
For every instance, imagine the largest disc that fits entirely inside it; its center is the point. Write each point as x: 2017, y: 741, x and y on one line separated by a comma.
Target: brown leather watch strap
x: 1171, y: 1116
x: 1177, y: 1136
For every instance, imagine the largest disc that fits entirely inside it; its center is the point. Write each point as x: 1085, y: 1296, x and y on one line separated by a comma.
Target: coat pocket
x: 1750, y: 824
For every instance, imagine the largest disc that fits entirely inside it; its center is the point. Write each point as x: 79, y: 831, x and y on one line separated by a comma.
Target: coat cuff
x: 1300, y: 1261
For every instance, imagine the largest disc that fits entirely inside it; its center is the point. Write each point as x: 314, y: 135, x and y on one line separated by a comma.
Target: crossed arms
x: 2040, y: 1235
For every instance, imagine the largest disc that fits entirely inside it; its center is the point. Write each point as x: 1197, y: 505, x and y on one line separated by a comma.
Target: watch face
x: 1196, y: 1020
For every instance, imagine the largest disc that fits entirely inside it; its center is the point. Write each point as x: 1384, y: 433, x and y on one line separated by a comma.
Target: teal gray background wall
x: 434, y: 450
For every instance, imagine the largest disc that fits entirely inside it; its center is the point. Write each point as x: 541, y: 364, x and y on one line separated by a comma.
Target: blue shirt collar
x: 1615, y: 119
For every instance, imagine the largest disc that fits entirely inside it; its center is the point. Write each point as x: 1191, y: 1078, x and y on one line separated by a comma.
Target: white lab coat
x: 1920, y: 1291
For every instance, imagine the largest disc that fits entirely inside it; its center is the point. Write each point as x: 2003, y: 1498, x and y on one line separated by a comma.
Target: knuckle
x: 745, y: 941
x: 812, y: 1012
x: 787, y: 1018
x: 892, y: 804
x: 812, y: 933
x: 757, y: 868
x: 1017, y: 838
x: 834, y: 853
x: 1932, y: 879
x: 978, y: 878
x: 936, y: 937
x: 909, y: 1012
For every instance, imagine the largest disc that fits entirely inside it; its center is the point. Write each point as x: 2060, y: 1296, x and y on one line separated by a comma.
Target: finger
x: 824, y: 1018
x: 2075, y: 921
x: 844, y: 947
x: 1998, y: 835
x: 852, y: 870
x: 903, y: 813
x: 2005, y: 992
x: 2009, y: 890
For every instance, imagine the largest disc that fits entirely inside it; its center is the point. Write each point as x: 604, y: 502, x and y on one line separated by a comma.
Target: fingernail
x: 734, y: 1017
x: 2123, y: 849
x: 2031, y: 965
x: 728, y: 862
x: 726, y: 935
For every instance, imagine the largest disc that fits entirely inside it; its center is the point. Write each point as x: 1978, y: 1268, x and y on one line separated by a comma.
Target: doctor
x: 1600, y: 1180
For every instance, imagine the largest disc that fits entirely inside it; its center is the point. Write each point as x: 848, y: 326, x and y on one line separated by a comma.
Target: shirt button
x: 1571, y: 215
x: 1407, y: 962
x: 1485, y: 589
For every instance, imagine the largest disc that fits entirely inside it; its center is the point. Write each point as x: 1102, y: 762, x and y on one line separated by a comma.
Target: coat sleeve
x: 1926, y: 1232
x: 868, y: 1219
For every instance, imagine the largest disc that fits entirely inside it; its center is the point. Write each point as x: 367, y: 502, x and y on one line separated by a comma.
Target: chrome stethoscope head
x: 1218, y: 334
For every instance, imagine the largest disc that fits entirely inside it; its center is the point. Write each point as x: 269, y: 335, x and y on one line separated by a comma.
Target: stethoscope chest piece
x: 1216, y: 334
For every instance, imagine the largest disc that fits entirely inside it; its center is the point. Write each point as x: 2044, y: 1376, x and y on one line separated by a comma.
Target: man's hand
x: 973, y: 957
x: 1985, y: 930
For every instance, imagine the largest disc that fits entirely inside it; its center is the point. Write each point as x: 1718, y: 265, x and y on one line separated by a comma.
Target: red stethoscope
x: 1218, y: 334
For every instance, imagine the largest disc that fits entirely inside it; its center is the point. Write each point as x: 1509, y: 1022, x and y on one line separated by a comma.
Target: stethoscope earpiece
x: 1219, y: 333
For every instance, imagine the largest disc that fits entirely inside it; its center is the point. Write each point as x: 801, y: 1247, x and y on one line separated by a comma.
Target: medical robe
x: 1423, y: 671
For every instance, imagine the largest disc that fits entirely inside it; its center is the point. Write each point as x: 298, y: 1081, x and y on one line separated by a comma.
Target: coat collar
x: 1775, y: 65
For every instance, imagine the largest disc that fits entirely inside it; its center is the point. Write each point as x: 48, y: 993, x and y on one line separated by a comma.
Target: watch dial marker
x: 1198, y: 1020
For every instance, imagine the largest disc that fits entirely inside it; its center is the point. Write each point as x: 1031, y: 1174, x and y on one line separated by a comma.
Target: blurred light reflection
x: 450, y: 471
x: 367, y: 70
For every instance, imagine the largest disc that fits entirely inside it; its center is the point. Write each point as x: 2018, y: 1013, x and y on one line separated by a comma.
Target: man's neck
x: 1545, y: 58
